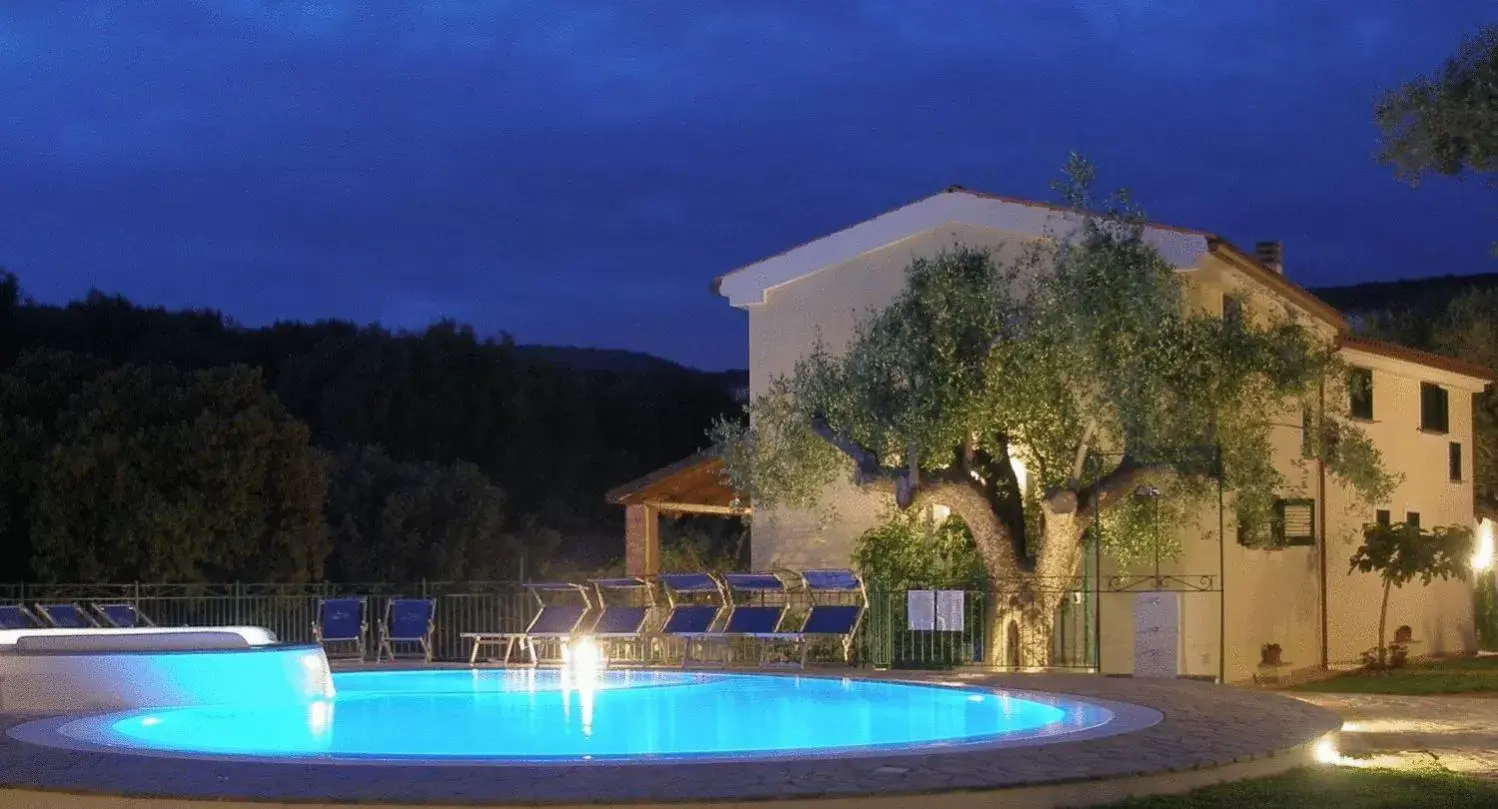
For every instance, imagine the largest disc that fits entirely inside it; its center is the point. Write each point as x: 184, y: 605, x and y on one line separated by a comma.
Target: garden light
x: 1482, y: 558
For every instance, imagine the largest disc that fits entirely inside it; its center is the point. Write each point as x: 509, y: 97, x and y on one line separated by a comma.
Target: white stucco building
x: 1299, y: 596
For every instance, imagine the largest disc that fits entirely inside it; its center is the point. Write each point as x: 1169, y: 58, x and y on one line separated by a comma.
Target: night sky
x: 577, y: 172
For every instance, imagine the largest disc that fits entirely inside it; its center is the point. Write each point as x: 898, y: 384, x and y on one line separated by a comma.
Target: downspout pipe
x: 1321, y: 516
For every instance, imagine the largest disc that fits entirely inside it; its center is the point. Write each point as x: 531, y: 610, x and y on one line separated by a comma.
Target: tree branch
x: 1122, y: 482
x: 1000, y: 488
x: 1080, y: 461
x: 1002, y: 550
x: 866, y: 463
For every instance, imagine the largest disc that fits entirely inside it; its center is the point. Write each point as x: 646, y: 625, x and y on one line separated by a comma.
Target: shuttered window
x: 1360, y: 393
x: 1434, y: 416
x: 1295, y: 522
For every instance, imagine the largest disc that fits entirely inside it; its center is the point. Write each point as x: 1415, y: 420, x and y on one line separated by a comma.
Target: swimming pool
x: 530, y: 716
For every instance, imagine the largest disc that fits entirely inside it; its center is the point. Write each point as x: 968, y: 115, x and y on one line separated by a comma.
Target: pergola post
x: 642, y: 540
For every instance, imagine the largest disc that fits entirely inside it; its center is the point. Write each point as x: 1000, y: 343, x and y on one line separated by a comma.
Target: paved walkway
x: 1457, y: 733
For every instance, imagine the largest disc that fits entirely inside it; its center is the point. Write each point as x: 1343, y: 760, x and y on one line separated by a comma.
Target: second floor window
x: 1434, y: 408
x: 1360, y: 393
x: 1232, y: 309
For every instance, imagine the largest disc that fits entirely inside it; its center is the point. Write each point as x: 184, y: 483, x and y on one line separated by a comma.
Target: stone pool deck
x: 1209, y: 734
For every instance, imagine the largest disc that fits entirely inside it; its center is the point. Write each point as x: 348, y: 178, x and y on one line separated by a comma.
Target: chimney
x: 1271, y: 255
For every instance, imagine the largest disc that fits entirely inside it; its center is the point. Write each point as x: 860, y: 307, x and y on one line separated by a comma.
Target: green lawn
x: 1466, y: 675
x: 1334, y: 787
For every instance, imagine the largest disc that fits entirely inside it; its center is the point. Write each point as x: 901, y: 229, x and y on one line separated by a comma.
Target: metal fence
x: 289, y: 610
x: 887, y: 639
x: 897, y: 633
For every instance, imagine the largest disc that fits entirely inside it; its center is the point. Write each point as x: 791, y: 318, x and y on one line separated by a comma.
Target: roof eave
x: 1451, y: 365
x: 1227, y: 251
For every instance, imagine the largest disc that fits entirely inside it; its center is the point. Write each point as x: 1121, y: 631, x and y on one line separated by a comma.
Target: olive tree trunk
x: 1025, y: 594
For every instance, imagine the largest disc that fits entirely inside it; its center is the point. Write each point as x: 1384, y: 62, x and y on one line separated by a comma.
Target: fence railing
x: 926, y: 629
x: 891, y: 636
x: 289, y: 610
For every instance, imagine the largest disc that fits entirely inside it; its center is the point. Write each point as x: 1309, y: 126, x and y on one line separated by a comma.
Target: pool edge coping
x: 1316, y: 723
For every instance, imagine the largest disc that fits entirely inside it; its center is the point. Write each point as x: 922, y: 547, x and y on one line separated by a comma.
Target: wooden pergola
x: 692, y: 485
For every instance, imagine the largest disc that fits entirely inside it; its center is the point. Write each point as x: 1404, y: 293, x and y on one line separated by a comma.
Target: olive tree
x: 1081, y: 359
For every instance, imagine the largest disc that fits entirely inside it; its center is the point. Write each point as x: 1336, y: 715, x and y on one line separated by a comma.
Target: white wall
x: 1441, y: 614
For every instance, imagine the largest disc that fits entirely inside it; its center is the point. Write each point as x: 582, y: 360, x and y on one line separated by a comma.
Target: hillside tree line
x: 140, y: 444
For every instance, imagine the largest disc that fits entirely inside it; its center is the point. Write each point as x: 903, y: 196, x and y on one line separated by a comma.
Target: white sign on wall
x: 950, y: 615
x: 1157, y: 634
x: 920, y: 606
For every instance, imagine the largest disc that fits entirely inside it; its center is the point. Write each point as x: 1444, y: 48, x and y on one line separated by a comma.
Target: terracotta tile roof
x: 1399, y: 352
x: 1277, y: 281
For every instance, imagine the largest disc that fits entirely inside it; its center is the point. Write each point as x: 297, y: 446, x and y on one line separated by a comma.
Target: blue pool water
x: 530, y: 716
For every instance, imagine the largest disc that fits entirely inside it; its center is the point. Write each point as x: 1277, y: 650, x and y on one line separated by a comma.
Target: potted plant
x: 1269, y: 655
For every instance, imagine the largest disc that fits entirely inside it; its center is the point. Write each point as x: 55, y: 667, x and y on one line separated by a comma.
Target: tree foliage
x: 553, y: 437
x: 1082, y: 359
x: 691, y: 544
x: 1447, y: 123
x: 908, y: 550
x: 393, y: 521
x: 153, y: 473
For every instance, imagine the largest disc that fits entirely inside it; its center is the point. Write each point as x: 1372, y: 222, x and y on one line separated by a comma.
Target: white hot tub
x: 93, y: 670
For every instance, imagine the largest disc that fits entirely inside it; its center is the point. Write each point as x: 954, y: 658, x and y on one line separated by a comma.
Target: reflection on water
x: 588, y: 713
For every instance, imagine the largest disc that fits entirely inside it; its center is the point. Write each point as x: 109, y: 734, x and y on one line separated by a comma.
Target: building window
x: 1360, y: 393
x: 1412, y: 518
x: 1382, y: 517
x: 1454, y: 461
x: 1294, y: 522
x: 1433, y: 408
x: 1232, y: 309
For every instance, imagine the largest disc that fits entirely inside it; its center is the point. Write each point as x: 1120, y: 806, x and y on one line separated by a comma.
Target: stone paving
x: 1204, y: 726
x: 1457, y: 733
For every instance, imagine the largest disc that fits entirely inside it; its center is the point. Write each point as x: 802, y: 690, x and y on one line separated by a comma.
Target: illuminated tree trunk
x: 1024, y: 594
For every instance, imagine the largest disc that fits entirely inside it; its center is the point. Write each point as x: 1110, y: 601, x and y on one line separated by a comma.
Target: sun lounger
x: 839, y: 602
x: 65, y: 616
x: 760, y: 619
x: 620, y: 627
x: 16, y: 616
x: 122, y: 616
x: 695, y: 601
x: 407, y: 622
x: 555, y: 622
x: 341, y: 621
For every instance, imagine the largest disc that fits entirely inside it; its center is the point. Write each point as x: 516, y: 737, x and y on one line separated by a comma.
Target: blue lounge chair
x: 620, y: 627
x: 760, y: 619
x: 695, y: 601
x: 407, y: 621
x: 839, y: 601
x: 122, y: 616
x: 556, y: 621
x: 16, y: 616
x: 66, y: 616
x: 342, y: 621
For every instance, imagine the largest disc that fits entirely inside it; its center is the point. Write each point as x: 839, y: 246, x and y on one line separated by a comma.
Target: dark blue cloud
x: 578, y: 172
